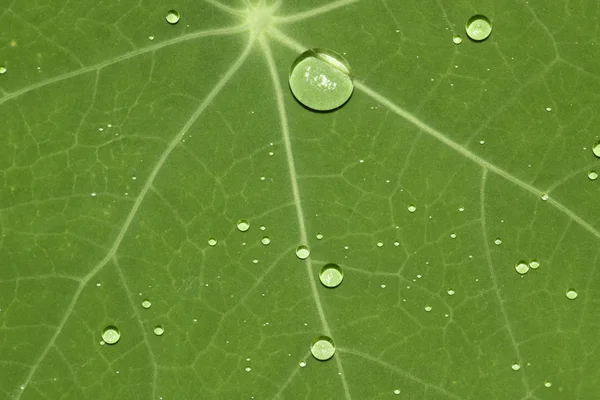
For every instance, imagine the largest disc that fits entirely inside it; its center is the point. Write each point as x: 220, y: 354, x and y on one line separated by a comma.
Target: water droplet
x: 593, y: 175
x: 411, y: 208
x: 522, y: 267
x: 262, y: 228
x: 478, y: 27
x: 265, y: 240
x: 172, y: 17
x: 397, y: 391
x: 331, y: 275
x: 212, y: 242
x: 322, y: 348
x: 146, y: 304
x: 596, y: 149
x: 498, y: 242
x: 451, y: 292
x: 302, y: 364
x: 319, y: 236
x: 461, y: 209
x: 2, y: 69
x: 248, y: 369
x: 111, y: 334
x: 516, y: 367
x: 545, y: 197
x: 159, y: 330
x: 456, y: 39
x: 453, y: 236
x: 428, y: 308
x: 302, y: 252
x: 379, y: 244
x: 534, y: 264
x: 151, y: 37
x: 548, y: 109
x: 571, y: 294
x: 243, y: 225
x: 321, y: 80
x: 547, y: 384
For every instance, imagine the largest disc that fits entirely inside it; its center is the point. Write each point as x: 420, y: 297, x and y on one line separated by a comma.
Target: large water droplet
x: 172, y: 17
x: 302, y: 252
x: 322, y: 348
x: 159, y: 330
x: 522, y: 267
x: 596, y: 149
x: 478, y: 27
x: 331, y: 275
x: 111, y: 334
x: 592, y: 175
x: 571, y: 294
x: 146, y: 304
x: 321, y: 80
x: 243, y: 225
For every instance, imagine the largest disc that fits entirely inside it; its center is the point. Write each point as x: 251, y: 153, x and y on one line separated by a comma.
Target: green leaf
x: 130, y: 143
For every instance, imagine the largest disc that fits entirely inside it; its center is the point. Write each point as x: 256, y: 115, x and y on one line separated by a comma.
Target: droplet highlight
x: 571, y: 294
x: 111, y: 334
x: 331, y: 275
x: 322, y: 348
x: 172, y: 17
x: 302, y: 252
x: 321, y: 80
x: 243, y: 225
x: 478, y: 28
x: 521, y: 267
x: 159, y: 330
x: 146, y: 304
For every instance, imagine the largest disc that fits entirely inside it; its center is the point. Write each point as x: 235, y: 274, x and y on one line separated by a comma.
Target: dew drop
x: 146, y: 304
x: 379, y: 244
x: 478, y: 27
x: 243, y: 225
x: 265, y: 240
x: 451, y: 292
x: 111, y: 334
x: 319, y: 236
x: 453, y: 236
x: 516, y: 367
x: 320, y: 79
x: 545, y: 197
x: 331, y: 275
x: 521, y: 267
x: 2, y: 69
x: 592, y: 175
x: 411, y: 208
x: 322, y: 348
x: 397, y: 391
x: 571, y: 294
x: 456, y: 39
x: 302, y: 252
x: 428, y: 308
x: 548, y: 384
x: 497, y: 242
x: 534, y: 264
x: 302, y: 364
x: 172, y: 17
x: 248, y: 369
x: 212, y: 242
x: 159, y: 330
x: 596, y: 149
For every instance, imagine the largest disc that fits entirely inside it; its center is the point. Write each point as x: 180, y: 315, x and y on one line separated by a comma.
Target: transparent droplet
x: 522, y: 267
x: 498, y: 242
x: 265, y: 240
x: 593, y: 175
x: 411, y: 208
x: 302, y: 364
x: 111, y: 334
x: 548, y: 384
x: 172, y: 17
x: 545, y: 196
x: 596, y: 149
x: 331, y: 275
x: 428, y: 308
x: 243, y: 225
x: 302, y: 252
x: 396, y: 391
x: 534, y: 264
x: 322, y: 348
x: 159, y: 330
x: 478, y: 27
x: 319, y: 236
x: 379, y: 244
x: 2, y: 69
x: 146, y: 304
x: 571, y: 294
x: 453, y: 236
x: 456, y: 39
x: 248, y: 369
x: 320, y: 79
x: 451, y: 292
x: 516, y: 366
x: 212, y: 242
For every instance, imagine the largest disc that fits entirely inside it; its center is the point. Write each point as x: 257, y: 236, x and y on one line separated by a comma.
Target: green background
x: 121, y: 156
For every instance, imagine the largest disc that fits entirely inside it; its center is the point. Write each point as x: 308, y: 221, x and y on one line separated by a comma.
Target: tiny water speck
x: 265, y: 240
x: 331, y: 275
x: 456, y: 39
x: 302, y: 364
x: 596, y: 149
x: 571, y: 294
x: 159, y: 330
x: 521, y: 267
x: 534, y: 264
x: 411, y: 208
x: 172, y: 17
x: 516, y: 367
x: 302, y: 252
x: 428, y: 308
x: 592, y: 175
x: 243, y: 225
x: 322, y: 348
x: 478, y: 28
x: 451, y: 292
x: 212, y: 242
x: 111, y: 334
x: 146, y: 304
x: 497, y: 242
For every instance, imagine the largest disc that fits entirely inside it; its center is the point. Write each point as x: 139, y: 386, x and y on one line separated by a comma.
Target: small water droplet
x: 111, y: 334
x: 2, y: 69
x: 521, y: 267
x: 302, y: 364
x: 265, y: 240
x: 456, y: 39
x: 534, y: 264
x: 498, y: 242
x: 379, y: 244
x: 478, y: 27
x: 411, y: 208
x: 548, y: 384
x: 98, y: 284
x: 302, y: 252
x: 397, y: 391
x: 331, y: 275
x: 451, y: 292
x: 548, y: 109
x: 262, y: 228
x: 545, y: 197
x: 383, y: 286
x: 243, y: 225
x: 151, y: 37
x: 212, y: 242
x: 321, y: 80
x: 319, y: 236
x: 159, y: 330
x: 453, y: 235
x: 516, y: 366
x: 248, y: 369
x: 428, y: 308
x: 571, y: 294
x: 592, y: 175
x: 322, y: 348
x: 172, y: 17
x: 461, y: 209
x: 596, y: 149
x: 146, y: 304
